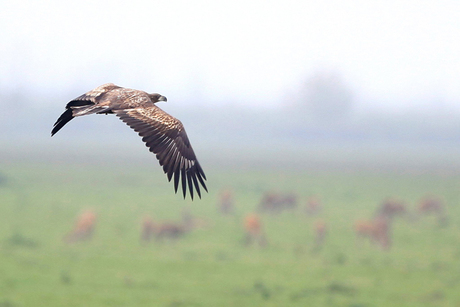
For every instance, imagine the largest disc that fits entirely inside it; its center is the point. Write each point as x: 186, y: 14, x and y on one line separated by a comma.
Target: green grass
x: 210, y: 266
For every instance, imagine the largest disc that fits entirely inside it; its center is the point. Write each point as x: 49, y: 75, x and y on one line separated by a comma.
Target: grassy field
x: 209, y: 266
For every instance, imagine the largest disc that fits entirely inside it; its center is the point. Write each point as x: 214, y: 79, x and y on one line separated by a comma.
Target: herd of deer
x: 377, y: 229
x: 86, y: 223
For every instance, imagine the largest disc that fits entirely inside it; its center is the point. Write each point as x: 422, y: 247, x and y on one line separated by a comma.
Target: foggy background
x: 250, y: 80
x: 329, y: 133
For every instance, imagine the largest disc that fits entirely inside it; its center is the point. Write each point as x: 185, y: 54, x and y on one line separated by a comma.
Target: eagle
x: 163, y: 134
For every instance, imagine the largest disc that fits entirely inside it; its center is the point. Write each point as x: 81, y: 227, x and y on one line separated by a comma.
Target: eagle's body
x: 163, y: 134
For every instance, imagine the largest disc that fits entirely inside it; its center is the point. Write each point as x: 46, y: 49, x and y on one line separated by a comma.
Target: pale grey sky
x: 394, y: 53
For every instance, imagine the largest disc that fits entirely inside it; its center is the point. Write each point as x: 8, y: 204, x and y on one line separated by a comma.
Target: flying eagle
x: 163, y: 134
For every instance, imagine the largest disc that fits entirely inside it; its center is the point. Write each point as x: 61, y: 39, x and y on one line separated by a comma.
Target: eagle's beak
x: 162, y: 98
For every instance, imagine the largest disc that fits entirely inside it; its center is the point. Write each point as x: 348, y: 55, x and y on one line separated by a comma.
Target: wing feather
x: 184, y: 180
x: 197, y: 187
x: 170, y: 171
x: 93, y: 96
x: 189, y: 182
x: 165, y: 136
x: 176, y: 178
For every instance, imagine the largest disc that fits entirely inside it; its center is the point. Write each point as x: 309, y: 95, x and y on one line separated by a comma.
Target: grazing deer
x: 83, y: 229
x: 363, y: 228
x: 433, y: 205
x: 391, y: 208
x: 376, y: 230
x: 168, y: 230
x: 268, y: 202
x: 253, y: 230
x: 275, y: 203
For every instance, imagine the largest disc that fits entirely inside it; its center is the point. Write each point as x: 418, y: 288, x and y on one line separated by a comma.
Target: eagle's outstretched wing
x: 165, y: 136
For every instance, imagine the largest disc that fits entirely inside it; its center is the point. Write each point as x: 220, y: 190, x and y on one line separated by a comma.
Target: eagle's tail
x: 62, y: 120
x: 77, y: 108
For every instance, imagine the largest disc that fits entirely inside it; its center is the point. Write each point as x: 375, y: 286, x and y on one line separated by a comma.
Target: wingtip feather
x: 62, y: 120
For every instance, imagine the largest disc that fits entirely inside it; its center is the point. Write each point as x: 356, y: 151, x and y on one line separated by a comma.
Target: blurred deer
x: 169, y: 229
x: 161, y: 231
x: 83, y: 229
x: 254, y: 231
x: 275, y: 203
x: 391, y: 208
x: 376, y: 230
x: 363, y: 228
x: 433, y: 205
x: 269, y: 202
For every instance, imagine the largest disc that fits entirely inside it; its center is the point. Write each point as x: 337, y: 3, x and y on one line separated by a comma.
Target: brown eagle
x: 163, y: 134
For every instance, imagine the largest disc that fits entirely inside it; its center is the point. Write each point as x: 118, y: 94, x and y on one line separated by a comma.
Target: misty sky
x: 394, y: 54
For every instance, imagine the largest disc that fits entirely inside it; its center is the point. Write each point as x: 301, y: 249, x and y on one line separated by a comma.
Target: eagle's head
x: 157, y: 97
